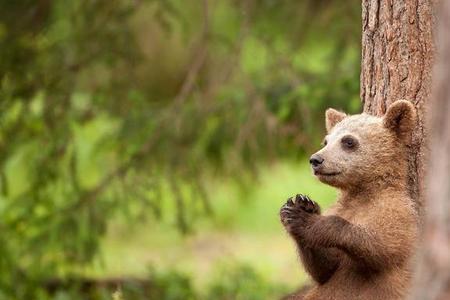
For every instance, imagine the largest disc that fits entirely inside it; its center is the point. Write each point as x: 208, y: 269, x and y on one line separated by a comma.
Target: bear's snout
x: 316, y: 160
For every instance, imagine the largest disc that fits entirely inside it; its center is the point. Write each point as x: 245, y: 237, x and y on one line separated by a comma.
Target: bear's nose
x: 315, y: 160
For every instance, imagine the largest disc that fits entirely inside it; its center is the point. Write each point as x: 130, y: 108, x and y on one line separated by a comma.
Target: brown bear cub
x: 362, y: 247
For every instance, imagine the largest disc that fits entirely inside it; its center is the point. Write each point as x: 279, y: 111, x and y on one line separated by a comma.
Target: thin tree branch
x: 183, y: 94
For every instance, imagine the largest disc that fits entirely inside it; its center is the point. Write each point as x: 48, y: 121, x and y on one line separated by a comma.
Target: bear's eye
x: 324, y: 142
x: 349, y: 142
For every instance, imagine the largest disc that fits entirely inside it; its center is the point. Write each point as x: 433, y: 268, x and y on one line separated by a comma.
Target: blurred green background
x: 147, y: 146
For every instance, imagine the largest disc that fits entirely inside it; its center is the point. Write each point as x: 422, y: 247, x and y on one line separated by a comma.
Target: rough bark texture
x: 397, y: 58
x: 433, y: 272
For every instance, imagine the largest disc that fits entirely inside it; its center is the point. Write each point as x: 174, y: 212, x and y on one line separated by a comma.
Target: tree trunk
x: 433, y: 271
x: 397, y: 58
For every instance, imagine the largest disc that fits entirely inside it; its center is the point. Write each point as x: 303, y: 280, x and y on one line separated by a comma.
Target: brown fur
x: 362, y: 247
x: 332, y: 117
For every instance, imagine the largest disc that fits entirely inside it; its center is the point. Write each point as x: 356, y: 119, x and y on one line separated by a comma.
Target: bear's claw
x: 297, y: 212
x: 306, y: 204
x: 302, y: 202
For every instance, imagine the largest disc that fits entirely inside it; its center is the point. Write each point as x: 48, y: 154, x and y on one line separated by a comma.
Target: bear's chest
x: 358, y: 215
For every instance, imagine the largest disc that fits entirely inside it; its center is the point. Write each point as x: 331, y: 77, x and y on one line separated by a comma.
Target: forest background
x: 147, y: 145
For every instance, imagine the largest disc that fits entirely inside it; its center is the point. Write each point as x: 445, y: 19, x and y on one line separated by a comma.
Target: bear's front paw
x: 297, y: 213
x: 288, y: 213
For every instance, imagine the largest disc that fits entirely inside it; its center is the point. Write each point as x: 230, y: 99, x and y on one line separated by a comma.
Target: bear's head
x: 361, y: 150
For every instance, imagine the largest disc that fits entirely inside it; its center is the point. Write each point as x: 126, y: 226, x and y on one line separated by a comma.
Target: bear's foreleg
x: 360, y: 244
x: 319, y: 262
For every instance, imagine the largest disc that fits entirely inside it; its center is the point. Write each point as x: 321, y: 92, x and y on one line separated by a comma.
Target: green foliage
x: 171, y: 285
x: 233, y: 281
x: 241, y: 282
x: 107, y: 105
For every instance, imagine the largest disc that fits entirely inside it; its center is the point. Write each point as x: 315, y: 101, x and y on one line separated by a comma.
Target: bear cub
x: 361, y: 248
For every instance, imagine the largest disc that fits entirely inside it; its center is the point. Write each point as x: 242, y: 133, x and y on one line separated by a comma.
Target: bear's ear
x: 332, y: 117
x: 400, y: 118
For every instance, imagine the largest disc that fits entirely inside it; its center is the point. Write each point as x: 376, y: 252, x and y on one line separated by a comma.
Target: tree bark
x: 433, y: 270
x: 397, y: 59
